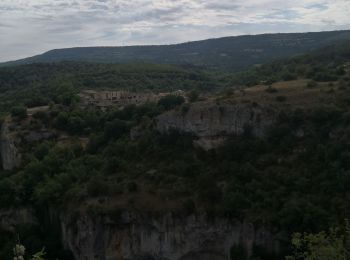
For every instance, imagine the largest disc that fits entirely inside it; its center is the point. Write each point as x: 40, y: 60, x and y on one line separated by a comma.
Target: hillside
x: 325, y: 64
x: 280, y: 148
x: 229, y: 53
x: 255, y: 157
x: 39, y: 84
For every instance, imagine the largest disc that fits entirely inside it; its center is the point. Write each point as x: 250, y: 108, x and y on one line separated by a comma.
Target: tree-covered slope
x: 38, y: 84
x: 325, y: 64
x: 229, y: 53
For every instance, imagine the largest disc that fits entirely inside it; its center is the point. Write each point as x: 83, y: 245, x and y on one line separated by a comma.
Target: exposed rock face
x: 35, y: 136
x: 10, y: 156
x: 134, y: 236
x: 11, y: 218
x: 209, y: 120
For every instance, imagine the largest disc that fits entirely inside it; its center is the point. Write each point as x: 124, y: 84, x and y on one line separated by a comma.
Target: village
x: 119, y: 98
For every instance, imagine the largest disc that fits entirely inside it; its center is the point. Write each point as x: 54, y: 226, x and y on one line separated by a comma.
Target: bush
x: 43, y: 116
x: 171, y: 101
x: 20, y: 112
x: 189, y: 206
x: 132, y: 187
x: 193, y: 96
x: 281, y: 98
x: 208, y: 189
x: 312, y: 84
x: 271, y: 89
x: 97, y: 187
x: 116, y: 128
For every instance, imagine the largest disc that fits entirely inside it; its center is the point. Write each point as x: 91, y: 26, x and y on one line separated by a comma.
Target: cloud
x: 29, y: 27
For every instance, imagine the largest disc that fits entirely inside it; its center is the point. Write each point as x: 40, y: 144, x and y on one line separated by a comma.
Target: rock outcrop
x: 11, y: 218
x: 10, y: 156
x: 210, y: 121
x: 36, y: 136
x: 136, y: 236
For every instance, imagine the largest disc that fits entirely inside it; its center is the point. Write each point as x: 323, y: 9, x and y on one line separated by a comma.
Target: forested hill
x: 37, y: 84
x: 325, y: 64
x: 229, y: 53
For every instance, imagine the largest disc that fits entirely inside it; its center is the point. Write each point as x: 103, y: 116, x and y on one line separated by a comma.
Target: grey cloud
x: 222, y: 6
x: 35, y: 26
x: 318, y: 6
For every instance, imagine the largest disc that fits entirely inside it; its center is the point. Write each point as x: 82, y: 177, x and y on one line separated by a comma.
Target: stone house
x: 106, y: 98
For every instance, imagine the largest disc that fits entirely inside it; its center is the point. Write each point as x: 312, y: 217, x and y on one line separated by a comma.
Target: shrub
x: 281, y: 98
x: 193, y: 96
x: 312, y: 84
x: 97, y: 187
x: 271, y: 89
x: 189, y: 206
x: 171, y: 101
x: 116, y: 128
x: 185, y: 108
x: 208, y: 189
x: 132, y: 187
x: 43, y: 116
x: 20, y: 112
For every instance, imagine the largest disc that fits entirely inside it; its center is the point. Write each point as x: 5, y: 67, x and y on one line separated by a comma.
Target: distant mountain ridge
x: 231, y: 53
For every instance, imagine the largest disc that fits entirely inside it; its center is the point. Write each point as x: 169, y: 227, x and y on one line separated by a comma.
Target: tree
x: 333, y: 245
x: 193, y: 96
x: 171, y: 101
x: 19, y: 111
x: 19, y: 252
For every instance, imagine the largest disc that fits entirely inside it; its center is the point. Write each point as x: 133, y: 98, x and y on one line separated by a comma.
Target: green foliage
x: 193, y: 96
x: 19, y: 112
x: 171, y: 101
x: 228, y: 53
x: 289, y: 181
x: 61, y: 82
x: 281, y: 98
x: 271, y: 89
x: 39, y: 256
x: 312, y: 84
x: 332, y: 245
x: 325, y: 64
x: 237, y: 252
x: 19, y: 252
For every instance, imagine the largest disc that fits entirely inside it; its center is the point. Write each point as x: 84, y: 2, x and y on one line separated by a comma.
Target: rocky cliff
x: 210, y: 121
x: 9, y: 153
x: 138, y: 236
x: 11, y: 218
x: 145, y: 236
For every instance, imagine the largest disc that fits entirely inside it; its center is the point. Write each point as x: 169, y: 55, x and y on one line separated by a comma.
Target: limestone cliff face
x: 10, y: 218
x: 9, y: 154
x: 136, y: 236
x: 210, y: 120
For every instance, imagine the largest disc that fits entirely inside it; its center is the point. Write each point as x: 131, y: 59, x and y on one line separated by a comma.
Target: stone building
x: 105, y: 98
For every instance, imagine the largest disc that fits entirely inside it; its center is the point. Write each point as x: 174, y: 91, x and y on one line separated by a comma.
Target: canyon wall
x: 10, y: 156
x: 211, y: 121
x: 139, y: 236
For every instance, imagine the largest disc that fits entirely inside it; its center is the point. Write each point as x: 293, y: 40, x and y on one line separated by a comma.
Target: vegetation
x: 332, y: 245
x: 60, y: 82
x: 327, y: 64
x: 19, y: 252
x: 294, y: 179
x: 19, y: 112
x: 229, y: 53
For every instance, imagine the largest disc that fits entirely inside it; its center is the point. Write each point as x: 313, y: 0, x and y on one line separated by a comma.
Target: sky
x: 29, y: 27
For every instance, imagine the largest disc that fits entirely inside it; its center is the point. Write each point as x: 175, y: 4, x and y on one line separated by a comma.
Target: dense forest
x: 40, y: 84
x: 326, y: 64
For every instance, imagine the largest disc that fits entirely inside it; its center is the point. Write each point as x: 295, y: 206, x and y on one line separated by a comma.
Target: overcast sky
x: 29, y: 27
